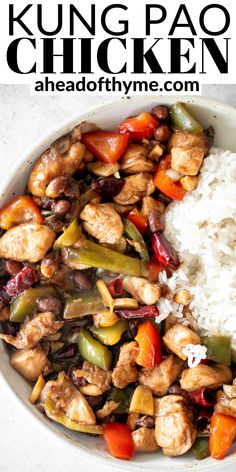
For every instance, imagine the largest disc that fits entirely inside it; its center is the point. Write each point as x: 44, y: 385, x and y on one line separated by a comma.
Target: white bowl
x: 223, y: 118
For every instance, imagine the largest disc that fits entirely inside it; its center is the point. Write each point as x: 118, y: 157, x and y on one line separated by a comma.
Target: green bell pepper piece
x: 112, y: 335
x: 82, y: 304
x: 218, y: 348
x: 26, y: 301
x: 183, y: 120
x: 69, y: 237
x: 93, y: 351
x: 200, y: 449
x: 94, y: 255
x: 123, y: 397
x: 133, y: 233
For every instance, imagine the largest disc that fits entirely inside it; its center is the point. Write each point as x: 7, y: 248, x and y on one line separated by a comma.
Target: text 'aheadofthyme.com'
x: 105, y: 84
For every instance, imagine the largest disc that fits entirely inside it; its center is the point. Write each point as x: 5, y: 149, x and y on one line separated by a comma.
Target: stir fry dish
x: 84, y: 277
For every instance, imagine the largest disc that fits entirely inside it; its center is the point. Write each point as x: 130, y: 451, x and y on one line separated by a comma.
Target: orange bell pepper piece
x: 172, y: 189
x: 139, y: 127
x: 106, y: 145
x: 222, y: 435
x: 20, y: 210
x: 150, y: 350
x: 119, y: 440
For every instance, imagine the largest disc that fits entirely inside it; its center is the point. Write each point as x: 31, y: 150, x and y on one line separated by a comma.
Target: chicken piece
x: 143, y: 291
x: 204, y: 375
x: 226, y: 404
x: 162, y: 376
x: 30, y: 363
x: 103, y: 222
x: 68, y: 399
x: 125, y: 371
x: 186, y: 161
x: 42, y: 326
x: 136, y: 187
x: 135, y: 160
x: 120, y: 247
x: 107, y: 409
x: 188, y: 151
x: 61, y: 159
x: 149, y: 203
x: 177, y: 338
x: 144, y: 440
x: 103, y: 170
x: 94, y: 375
x: 174, y: 430
x: 26, y: 242
x: 230, y: 390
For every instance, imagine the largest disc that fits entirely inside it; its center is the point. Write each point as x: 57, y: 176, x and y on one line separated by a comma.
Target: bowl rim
x: 54, y: 133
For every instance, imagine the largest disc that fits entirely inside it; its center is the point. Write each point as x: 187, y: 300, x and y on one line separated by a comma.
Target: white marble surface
x: 23, y: 119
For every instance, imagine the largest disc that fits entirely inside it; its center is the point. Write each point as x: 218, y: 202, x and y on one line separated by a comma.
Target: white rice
x: 202, y: 228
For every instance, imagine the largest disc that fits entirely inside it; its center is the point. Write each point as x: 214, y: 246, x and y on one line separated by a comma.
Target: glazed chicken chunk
x: 26, y: 242
x: 159, y: 379
x: 107, y: 409
x: 103, y: 222
x: 94, y: 375
x: 30, y: 363
x: 144, y: 440
x: 150, y: 203
x: 125, y: 371
x: 135, y: 160
x: 204, y: 375
x: 68, y: 399
x: 135, y: 187
x: 188, y: 151
x: 177, y: 338
x: 42, y: 326
x: 143, y: 291
x: 226, y: 400
x: 174, y: 430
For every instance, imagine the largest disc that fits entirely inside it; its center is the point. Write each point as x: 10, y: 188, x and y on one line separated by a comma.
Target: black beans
x: 81, y: 281
x: 160, y: 112
x: 13, y: 267
x: 146, y: 421
x: 175, y: 389
x: 95, y: 402
x: 156, y: 220
x: 162, y: 133
x: 61, y: 207
x: 108, y: 186
x: 52, y: 304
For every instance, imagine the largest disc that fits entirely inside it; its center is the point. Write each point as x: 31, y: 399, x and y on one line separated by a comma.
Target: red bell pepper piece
x: 150, y: 349
x: 139, y: 127
x: 139, y: 220
x: 163, y: 251
x: 119, y: 440
x: 116, y: 288
x: 222, y: 435
x: 106, y: 145
x: 202, y: 396
x: 20, y: 210
x: 172, y: 189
